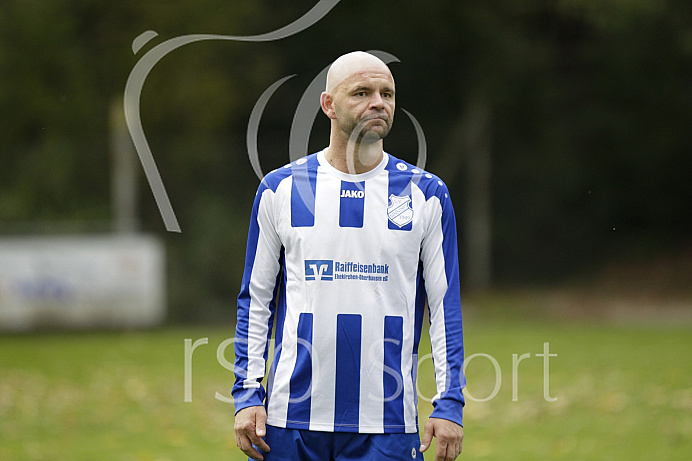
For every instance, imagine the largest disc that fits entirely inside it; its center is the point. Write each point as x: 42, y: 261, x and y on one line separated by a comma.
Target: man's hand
x: 449, y: 438
x: 250, y: 428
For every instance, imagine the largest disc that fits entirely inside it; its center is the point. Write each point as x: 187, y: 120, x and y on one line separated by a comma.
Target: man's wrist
x: 247, y: 398
x: 449, y: 409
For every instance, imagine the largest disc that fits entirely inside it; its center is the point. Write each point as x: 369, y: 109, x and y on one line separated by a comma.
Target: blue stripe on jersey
x: 393, y: 380
x: 352, y: 204
x: 299, y: 401
x: 421, y: 297
x: 280, y: 318
x: 456, y: 380
x: 272, y: 180
x: 348, y: 356
x: 303, y: 192
x: 242, y: 397
x: 400, y: 208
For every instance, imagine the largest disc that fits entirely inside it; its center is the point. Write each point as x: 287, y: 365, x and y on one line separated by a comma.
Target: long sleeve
x: 256, y: 302
x: 439, y: 256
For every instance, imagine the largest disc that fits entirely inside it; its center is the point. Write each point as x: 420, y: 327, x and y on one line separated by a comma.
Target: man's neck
x: 356, y: 158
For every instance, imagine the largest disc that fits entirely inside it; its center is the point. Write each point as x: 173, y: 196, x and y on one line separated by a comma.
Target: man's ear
x: 327, y: 104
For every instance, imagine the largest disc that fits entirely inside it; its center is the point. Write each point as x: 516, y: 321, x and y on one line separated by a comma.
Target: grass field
x: 623, y: 392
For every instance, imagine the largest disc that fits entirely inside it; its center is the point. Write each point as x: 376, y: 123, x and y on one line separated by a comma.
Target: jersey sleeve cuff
x: 244, y: 398
x: 449, y: 409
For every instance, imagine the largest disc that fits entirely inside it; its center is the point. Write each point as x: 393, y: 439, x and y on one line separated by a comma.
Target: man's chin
x: 375, y: 133
x: 372, y: 136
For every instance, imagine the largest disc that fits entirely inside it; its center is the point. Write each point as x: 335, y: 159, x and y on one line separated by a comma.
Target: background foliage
x: 589, y: 106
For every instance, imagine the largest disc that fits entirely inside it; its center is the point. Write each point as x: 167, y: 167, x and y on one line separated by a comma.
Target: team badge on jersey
x: 399, y: 210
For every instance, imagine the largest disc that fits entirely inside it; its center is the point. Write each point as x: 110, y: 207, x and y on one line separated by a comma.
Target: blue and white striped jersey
x: 340, y: 267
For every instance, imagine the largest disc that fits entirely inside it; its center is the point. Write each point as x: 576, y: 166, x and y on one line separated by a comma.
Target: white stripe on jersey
x: 261, y: 293
x: 436, y: 283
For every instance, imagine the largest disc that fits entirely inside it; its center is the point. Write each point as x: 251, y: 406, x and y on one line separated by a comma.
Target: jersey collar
x: 352, y: 177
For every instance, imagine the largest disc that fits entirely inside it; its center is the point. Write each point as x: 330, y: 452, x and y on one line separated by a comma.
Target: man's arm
x: 256, y: 303
x: 439, y: 255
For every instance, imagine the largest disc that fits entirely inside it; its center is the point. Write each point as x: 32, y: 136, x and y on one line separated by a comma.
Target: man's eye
x: 361, y: 93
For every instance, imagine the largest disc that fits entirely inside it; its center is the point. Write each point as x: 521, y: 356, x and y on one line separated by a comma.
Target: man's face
x: 364, y: 105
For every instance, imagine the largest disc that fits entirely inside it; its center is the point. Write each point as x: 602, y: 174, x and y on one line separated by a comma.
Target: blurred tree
x: 588, y: 104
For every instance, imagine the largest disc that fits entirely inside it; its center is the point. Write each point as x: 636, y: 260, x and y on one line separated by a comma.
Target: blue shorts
x: 304, y: 445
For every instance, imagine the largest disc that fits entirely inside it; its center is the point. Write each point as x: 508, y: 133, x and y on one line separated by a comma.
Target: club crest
x: 399, y: 210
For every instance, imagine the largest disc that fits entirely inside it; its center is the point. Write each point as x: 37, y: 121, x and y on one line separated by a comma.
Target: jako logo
x: 347, y: 193
x: 319, y: 269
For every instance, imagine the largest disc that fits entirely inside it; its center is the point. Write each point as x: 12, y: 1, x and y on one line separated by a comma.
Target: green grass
x: 623, y: 393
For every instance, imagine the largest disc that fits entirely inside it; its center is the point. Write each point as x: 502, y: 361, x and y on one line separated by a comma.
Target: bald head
x: 357, y: 62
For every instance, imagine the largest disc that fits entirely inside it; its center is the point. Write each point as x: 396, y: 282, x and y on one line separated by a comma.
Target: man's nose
x: 376, y: 102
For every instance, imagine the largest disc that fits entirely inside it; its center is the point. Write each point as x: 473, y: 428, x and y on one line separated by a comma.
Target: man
x: 344, y: 245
